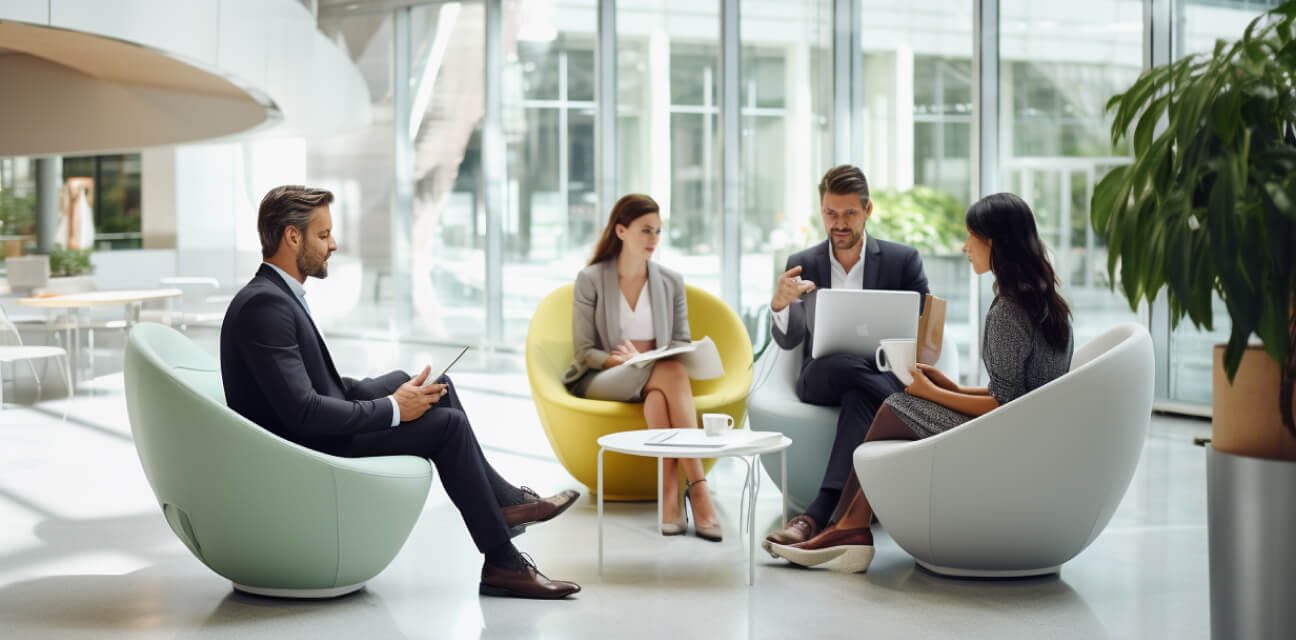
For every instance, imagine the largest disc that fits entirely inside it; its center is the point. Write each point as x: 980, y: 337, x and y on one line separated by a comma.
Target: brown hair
x: 625, y: 211
x: 281, y: 207
x: 843, y: 179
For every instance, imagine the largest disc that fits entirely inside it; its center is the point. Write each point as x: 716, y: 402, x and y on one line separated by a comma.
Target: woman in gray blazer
x: 625, y: 304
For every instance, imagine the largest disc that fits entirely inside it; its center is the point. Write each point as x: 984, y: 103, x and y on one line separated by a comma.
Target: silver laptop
x: 856, y: 320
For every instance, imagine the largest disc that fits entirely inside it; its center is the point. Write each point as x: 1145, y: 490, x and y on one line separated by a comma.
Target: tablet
x: 433, y: 379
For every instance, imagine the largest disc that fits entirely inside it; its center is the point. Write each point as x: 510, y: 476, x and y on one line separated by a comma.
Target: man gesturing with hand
x: 851, y: 259
x: 278, y: 373
x: 790, y: 288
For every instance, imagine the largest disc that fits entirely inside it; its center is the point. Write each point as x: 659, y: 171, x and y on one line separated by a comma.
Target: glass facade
x: 917, y: 141
x: 414, y: 223
x: 106, y: 187
x: 786, y: 144
x: 1198, y: 25
x: 1058, y: 67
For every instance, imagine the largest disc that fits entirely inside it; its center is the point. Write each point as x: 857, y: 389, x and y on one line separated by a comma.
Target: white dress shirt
x: 840, y: 279
x: 300, y: 291
x: 636, y: 324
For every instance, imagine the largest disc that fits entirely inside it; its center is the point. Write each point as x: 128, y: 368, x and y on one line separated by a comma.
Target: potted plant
x: 70, y: 271
x: 1208, y: 208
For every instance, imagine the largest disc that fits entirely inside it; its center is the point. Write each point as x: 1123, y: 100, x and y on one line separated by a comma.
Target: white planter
x: 69, y: 284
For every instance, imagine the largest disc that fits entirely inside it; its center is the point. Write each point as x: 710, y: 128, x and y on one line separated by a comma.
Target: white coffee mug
x: 716, y: 424
x: 901, y: 354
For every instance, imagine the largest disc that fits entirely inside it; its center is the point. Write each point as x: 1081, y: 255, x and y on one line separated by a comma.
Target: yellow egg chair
x: 574, y: 425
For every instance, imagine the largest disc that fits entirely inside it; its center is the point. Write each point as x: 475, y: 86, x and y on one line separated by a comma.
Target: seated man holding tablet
x: 277, y: 372
x: 842, y: 371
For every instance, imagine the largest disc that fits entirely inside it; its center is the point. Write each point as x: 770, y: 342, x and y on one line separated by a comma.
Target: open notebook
x: 700, y: 358
x: 697, y: 438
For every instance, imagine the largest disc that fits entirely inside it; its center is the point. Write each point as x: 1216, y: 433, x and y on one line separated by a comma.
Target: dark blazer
x: 278, y: 373
x: 887, y: 265
x: 596, y: 314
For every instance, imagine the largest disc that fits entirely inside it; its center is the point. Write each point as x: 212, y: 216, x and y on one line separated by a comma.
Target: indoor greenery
x: 921, y: 217
x: 17, y: 213
x: 1208, y: 205
x: 69, y: 262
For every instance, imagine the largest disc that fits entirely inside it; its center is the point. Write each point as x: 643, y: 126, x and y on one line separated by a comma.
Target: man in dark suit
x: 849, y: 258
x: 278, y: 373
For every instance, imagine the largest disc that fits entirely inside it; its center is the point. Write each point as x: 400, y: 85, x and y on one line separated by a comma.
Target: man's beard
x: 312, y: 266
x: 847, y: 243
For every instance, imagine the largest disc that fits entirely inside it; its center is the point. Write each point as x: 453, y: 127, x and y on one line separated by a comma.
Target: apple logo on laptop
x: 862, y: 330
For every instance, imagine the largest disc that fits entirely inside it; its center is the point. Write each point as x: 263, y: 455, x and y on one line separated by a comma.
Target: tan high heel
x: 678, y: 527
x: 710, y: 532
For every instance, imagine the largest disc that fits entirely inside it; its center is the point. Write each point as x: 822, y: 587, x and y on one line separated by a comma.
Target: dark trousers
x: 444, y: 436
x: 854, y: 383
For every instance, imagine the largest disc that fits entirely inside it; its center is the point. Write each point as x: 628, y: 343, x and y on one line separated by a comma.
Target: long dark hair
x: 1021, y: 267
x: 625, y: 211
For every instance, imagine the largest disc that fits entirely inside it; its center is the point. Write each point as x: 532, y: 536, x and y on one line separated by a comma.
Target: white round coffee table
x: 637, y: 443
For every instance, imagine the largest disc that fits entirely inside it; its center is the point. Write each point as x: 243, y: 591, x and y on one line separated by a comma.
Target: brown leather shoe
x: 844, y: 550
x: 537, y: 509
x: 798, y: 529
x: 526, y: 582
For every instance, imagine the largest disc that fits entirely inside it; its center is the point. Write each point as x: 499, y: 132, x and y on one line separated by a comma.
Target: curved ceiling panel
x: 68, y: 92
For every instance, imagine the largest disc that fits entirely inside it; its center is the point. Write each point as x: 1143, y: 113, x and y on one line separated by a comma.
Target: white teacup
x: 716, y: 424
x: 901, y: 354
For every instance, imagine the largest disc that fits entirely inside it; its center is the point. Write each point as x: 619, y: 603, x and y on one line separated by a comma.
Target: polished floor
x: 85, y: 552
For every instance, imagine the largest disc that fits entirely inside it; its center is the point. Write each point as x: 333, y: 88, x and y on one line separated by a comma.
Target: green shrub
x: 924, y: 218
x: 69, y: 262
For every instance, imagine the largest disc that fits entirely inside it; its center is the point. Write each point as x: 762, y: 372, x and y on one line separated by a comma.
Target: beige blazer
x: 596, y: 314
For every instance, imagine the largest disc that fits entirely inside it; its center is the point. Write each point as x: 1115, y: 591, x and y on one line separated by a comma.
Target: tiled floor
x: 84, y: 551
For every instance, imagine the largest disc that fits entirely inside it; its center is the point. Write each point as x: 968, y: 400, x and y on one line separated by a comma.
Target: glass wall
x: 110, y: 188
x: 913, y: 122
x: 1059, y: 64
x: 1197, y: 26
x: 441, y: 158
x: 917, y: 154
x: 550, y: 219
x: 786, y: 143
x: 99, y: 204
x: 668, y: 71
x: 17, y: 206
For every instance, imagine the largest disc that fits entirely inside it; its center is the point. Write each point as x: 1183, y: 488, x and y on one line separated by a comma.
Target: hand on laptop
x: 790, y: 288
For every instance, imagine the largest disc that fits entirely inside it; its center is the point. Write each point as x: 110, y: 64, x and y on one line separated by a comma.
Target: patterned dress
x: 1017, y: 357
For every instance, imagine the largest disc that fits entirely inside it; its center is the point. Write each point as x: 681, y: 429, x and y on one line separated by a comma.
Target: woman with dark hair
x: 625, y: 304
x: 1027, y: 344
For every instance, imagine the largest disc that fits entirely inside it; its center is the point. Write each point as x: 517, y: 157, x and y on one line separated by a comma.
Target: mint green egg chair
x: 272, y: 517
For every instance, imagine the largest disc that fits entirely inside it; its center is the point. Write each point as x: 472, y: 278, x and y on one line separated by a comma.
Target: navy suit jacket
x: 277, y: 372
x: 887, y: 265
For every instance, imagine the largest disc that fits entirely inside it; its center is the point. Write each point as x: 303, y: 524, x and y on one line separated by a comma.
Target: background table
x: 73, y: 303
x: 635, y: 443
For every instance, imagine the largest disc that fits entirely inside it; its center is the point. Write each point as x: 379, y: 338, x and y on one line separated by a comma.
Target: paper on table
x: 700, y: 358
x: 697, y: 438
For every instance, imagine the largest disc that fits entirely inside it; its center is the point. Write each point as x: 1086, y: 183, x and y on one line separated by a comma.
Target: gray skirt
x: 619, y: 384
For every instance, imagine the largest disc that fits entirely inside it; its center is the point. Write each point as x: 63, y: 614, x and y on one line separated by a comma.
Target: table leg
x: 600, y: 510
x: 74, y: 318
x: 659, y: 495
x: 751, y: 521
x: 783, y: 472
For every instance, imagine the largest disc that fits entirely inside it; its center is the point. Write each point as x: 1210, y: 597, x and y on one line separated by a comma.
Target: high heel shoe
x: 710, y: 532
x: 679, y: 526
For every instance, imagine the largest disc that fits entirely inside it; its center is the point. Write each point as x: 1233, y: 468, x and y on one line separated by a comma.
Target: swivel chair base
x: 304, y: 594
x: 975, y: 573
